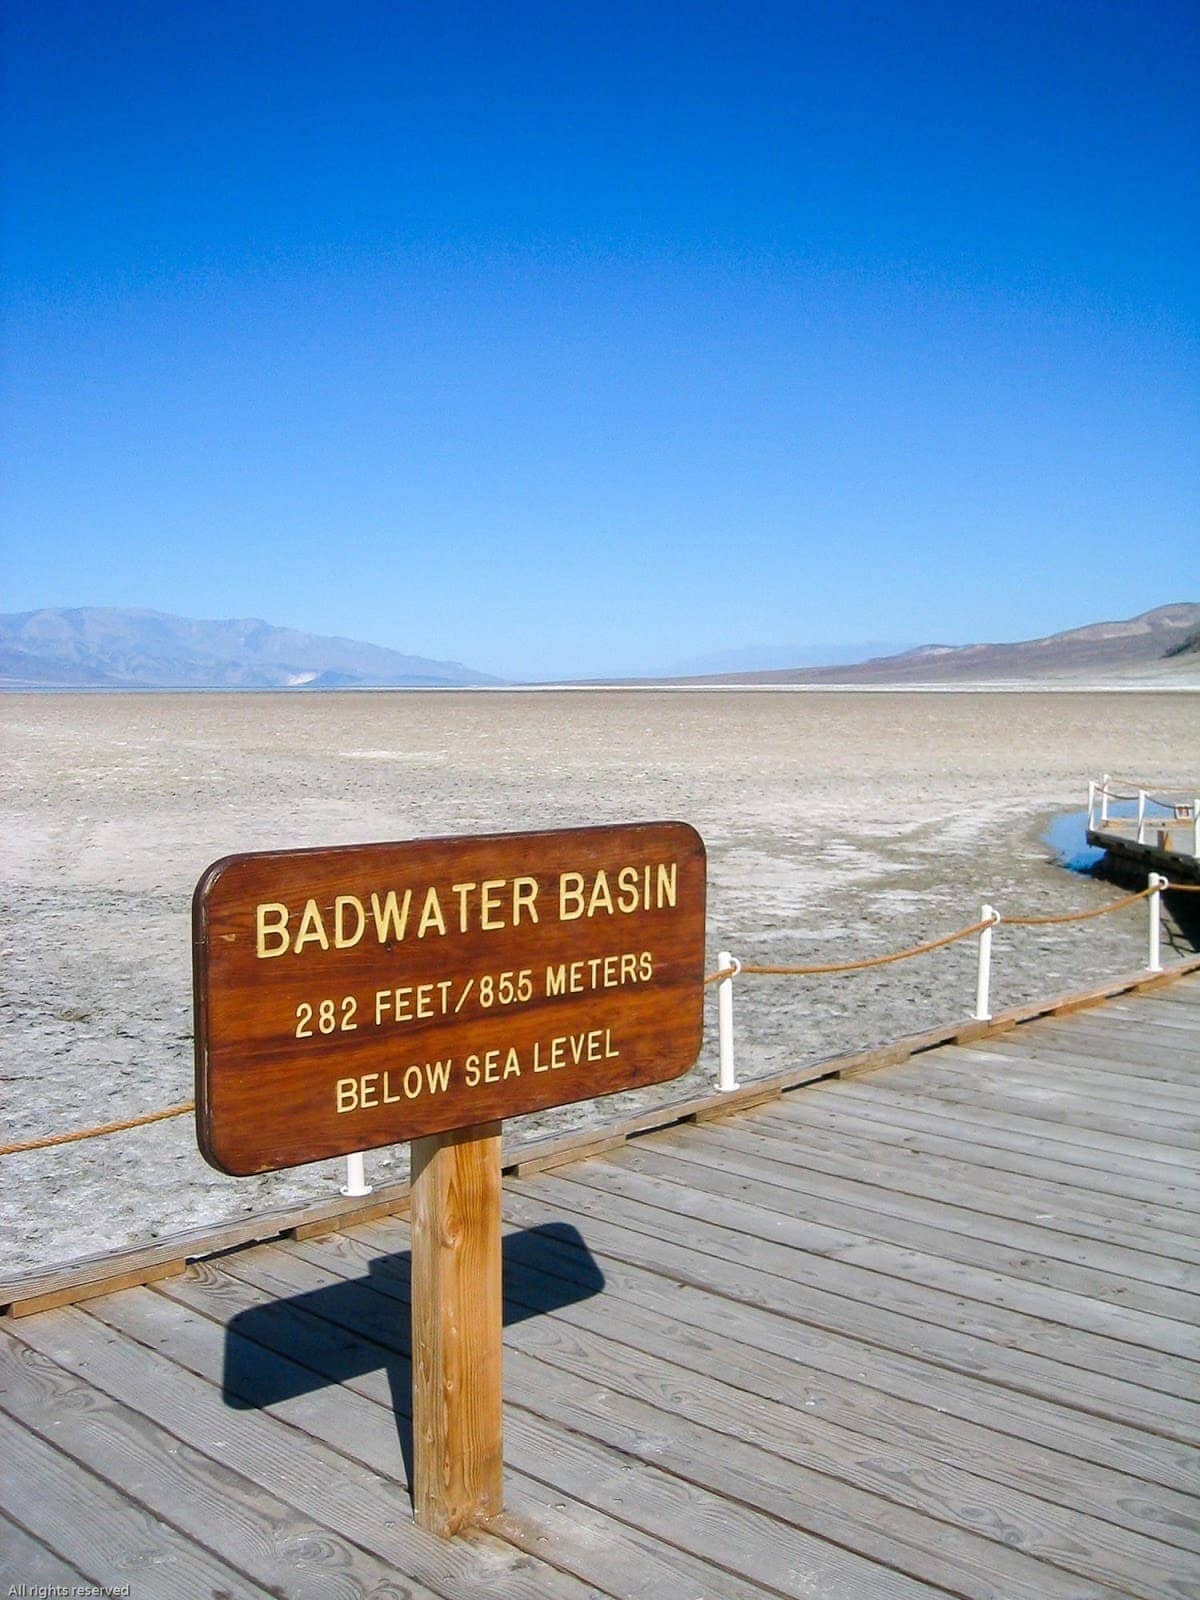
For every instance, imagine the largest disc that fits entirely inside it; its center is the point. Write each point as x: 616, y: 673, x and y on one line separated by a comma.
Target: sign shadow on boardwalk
x: 348, y: 1329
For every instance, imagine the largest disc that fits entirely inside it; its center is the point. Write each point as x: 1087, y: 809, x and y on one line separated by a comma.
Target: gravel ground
x: 837, y: 824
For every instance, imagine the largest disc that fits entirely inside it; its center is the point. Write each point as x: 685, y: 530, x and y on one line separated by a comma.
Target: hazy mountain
x: 783, y: 657
x: 1153, y: 647
x: 119, y: 649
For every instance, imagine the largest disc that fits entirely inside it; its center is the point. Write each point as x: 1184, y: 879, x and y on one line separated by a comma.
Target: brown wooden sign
x: 369, y: 994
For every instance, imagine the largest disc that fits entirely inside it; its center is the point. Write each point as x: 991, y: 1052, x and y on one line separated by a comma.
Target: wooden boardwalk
x: 932, y: 1330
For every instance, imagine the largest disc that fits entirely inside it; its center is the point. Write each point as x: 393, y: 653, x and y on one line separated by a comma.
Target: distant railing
x: 1181, y: 806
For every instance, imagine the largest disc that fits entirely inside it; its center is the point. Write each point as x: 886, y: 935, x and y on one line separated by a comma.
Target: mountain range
x: 1159, y: 646
x: 103, y: 647
x: 110, y: 648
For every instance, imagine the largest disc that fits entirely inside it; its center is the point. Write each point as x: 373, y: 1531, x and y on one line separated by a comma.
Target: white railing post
x: 1104, y: 799
x: 356, y: 1184
x: 983, y: 979
x: 1157, y: 884
x: 726, y: 1078
x: 1091, y: 804
x: 1196, y: 825
x: 1141, y: 814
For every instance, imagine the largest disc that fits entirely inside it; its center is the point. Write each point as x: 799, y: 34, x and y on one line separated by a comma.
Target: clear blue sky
x: 567, y: 338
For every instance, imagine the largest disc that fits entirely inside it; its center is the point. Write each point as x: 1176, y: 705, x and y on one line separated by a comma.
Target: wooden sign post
x: 458, y: 1465
x: 366, y: 995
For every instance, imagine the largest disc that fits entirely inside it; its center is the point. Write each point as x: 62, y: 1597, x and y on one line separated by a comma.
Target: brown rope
x: 92, y: 1133
x: 1077, y: 916
x: 870, y: 961
x: 724, y: 972
x: 1183, y: 888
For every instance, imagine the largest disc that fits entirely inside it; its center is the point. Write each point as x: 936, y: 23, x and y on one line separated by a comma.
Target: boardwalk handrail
x: 1183, y: 806
x: 728, y: 968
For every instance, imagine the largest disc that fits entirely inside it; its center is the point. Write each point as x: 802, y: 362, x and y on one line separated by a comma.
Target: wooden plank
x: 458, y: 1425
x: 708, y: 1525
x: 102, y: 1532
x: 31, y: 1563
x: 204, y: 1499
x: 1169, y: 1183
x: 1032, y: 1076
x: 894, y: 1161
x: 1035, y: 1254
x: 1157, y: 1011
x: 885, y: 1196
x: 1052, y: 1094
x: 875, y: 1414
x: 1159, y: 1078
x: 700, y: 1320
x: 773, y: 1237
x: 112, y: 1270
x: 561, y: 1158
x: 750, y: 1096
x: 175, y: 1363
x: 1120, y: 1040
x: 1079, y: 1189
x: 1082, y: 1127
x: 891, y: 1315
x: 801, y: 1486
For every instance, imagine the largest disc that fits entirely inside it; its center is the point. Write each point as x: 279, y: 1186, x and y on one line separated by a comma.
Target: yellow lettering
x: 311, y: 929
x: 556, y: 979
x: 462, y: 890
x: 627, y: 883
x: 570, y: 896
x: 391, y: 916
x: 272, y: 922
x: 666, y: 884
x: 601, y: 899
x: 489, y: 903
x: 437, y: 1074
x: 524, y: 894
x: 512, y: 1064
x: 431, y: 914
x: 347, y: 1094
x: 368, y: 1094
x: 343, y: 940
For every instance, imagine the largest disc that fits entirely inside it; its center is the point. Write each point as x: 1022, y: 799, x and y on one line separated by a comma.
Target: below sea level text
x: 425, y: 1078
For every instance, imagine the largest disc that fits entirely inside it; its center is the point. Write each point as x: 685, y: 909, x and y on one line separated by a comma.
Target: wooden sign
x: 369, y: 994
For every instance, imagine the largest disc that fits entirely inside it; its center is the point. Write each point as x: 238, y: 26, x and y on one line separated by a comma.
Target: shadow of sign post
x: 346, y: 1331
x: 369, y: 995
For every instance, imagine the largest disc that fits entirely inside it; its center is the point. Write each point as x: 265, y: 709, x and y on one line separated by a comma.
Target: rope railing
x: 94, y: 1133
x: 1086, y: 916
x: 730, y: 967
x: 1170, y: 797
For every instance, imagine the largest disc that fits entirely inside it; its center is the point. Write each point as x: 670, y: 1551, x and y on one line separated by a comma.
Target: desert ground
x: 838, y: 824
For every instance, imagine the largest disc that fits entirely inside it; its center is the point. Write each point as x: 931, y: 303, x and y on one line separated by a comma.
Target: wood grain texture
x: 458, y: 1453
x: 368, y: 995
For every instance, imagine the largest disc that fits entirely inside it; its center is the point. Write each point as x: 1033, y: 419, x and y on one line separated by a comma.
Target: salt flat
x: 837, y: 824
